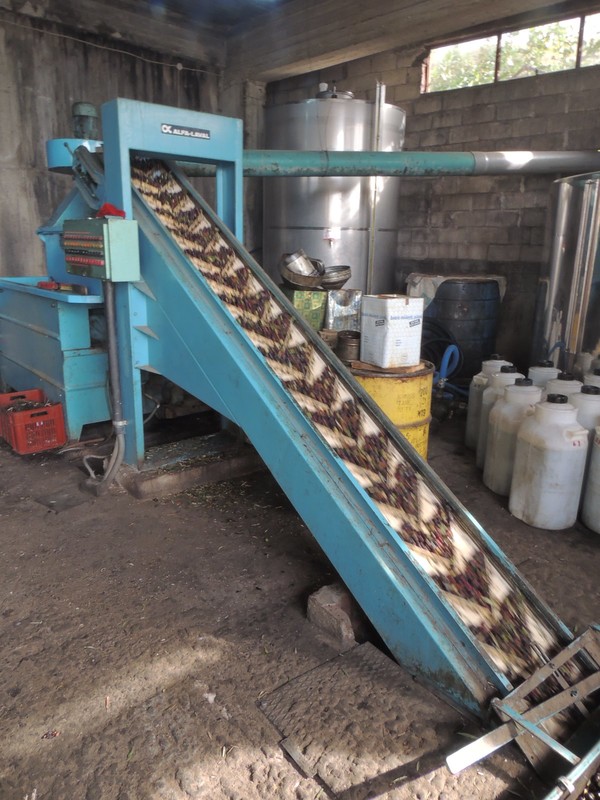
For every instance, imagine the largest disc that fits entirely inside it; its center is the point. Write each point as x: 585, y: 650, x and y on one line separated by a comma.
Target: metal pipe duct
x: 321, y: 163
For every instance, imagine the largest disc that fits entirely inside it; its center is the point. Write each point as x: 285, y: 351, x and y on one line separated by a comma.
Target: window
x: 566, y: 44
x: 590, y: 47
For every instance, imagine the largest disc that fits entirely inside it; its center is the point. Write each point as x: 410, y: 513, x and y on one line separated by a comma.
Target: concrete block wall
x: 480, y: 224
x: 42, y: 72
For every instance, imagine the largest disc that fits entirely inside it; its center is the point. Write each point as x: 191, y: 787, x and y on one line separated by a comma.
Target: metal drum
x: 340, y: 220
x: 404, y: 394
x: 468, y: 309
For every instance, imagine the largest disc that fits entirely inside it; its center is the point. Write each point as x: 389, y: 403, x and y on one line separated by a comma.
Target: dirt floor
x: 147, y: 645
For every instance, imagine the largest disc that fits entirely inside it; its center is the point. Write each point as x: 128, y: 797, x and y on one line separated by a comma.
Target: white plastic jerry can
x: 542, y: 372
x: 505, y: 419
x: 549, y: 465
x: 590, y: 510
x: 592, y: 378
x: 587, y: 403
x: 583, y: 364
x: 478, y: 383
x: 494, y: 391
x: 565, y: 383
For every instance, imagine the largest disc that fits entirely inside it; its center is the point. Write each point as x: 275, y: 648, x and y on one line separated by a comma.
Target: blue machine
x: 445, y: 599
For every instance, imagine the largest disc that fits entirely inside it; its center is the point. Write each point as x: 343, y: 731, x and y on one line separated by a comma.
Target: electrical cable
x: 177, y: 65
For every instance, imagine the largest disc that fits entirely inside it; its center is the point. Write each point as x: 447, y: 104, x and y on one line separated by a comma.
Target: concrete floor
x: 143, y: 643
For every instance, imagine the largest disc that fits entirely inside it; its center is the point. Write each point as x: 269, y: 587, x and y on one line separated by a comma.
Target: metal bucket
x: 404, y: 394
x: 348, y: 345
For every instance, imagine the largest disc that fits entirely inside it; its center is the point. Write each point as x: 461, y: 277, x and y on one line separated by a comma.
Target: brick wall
x: 480, y: 224
x: 43, y: 70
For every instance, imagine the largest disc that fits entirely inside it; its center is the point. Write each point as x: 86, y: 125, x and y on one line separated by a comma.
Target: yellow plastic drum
x: 404, y: 395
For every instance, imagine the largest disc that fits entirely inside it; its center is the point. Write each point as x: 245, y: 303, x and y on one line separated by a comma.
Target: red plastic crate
x: 10, y: 398
x: 28, y: 396
x: 35, y: 430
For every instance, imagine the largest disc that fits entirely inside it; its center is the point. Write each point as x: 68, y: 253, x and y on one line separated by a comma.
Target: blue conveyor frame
x: 171, y: 322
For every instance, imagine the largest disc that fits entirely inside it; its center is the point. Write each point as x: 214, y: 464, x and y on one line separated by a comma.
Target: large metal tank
x: 340, y: 220
x: 568, y: 313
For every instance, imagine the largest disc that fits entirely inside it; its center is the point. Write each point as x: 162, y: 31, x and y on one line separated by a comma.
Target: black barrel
x: 468, y: 309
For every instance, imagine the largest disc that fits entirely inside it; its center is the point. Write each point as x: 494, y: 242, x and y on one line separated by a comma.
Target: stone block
x: 419, y: 122
x: 384, y: 61
x: 502, y: 218
x: 503, y: 252
x: 478, y: 114
x: 334, y: 610
x: 583, y: 100
x: 518, y: 109
x: 533, y: 217
x: 473, y: 252
x: 434, y: 138
x: 403, y: 94
x: 428, y: 104
x: 415, y: 250
x: 360, y: 66
x: 457, y: 98
x: 532, y: 253
x: 447, y: 119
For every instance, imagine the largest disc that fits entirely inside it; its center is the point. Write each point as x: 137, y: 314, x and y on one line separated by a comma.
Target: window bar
x: 498, y: 58
x: 580, y: 42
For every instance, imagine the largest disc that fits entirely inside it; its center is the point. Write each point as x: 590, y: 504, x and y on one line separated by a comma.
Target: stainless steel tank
x: 569, y: 297
x: 340, y: 220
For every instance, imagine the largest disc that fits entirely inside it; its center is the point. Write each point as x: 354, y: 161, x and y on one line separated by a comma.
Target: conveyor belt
x: 499, y: 613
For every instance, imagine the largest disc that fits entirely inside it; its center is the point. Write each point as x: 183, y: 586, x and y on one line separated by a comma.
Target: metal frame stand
x: 524, y: 723
x: 161, y: 131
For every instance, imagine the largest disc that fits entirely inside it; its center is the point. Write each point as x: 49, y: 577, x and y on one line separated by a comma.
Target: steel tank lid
x: 315, y: 100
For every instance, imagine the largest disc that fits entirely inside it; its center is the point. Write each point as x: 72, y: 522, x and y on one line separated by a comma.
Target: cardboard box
x: 391, y: 328
x: 311, y: 303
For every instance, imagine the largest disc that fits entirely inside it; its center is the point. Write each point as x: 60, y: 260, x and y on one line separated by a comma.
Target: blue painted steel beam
x: 406, y: 163
x: 160, y: 131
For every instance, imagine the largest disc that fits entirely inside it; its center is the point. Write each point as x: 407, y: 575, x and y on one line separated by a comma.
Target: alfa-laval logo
x: 183, y: 130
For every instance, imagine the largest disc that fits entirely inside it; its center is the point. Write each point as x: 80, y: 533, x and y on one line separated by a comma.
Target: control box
x: 108, y: 249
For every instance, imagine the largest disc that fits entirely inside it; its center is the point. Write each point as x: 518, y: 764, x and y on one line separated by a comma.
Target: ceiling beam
x: 133, y: 23
x: 306, y: 35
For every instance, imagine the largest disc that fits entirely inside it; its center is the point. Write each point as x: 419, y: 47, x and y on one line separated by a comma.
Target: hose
x: 449, y: 363
x: 557, y: 346
x: 101, y: 485
x: 435, y: 341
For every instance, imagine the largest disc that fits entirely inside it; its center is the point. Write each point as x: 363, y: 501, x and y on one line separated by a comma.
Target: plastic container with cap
x: 587, y: 403
x: 506, y: 416
x: 583, y: 364
x: 542, y: 372
x: 549, y: 465
x: 498, y: 382
x: 476, y: 388
x: 590, y: 508
x: 565, y: 383
x: 592, y: 378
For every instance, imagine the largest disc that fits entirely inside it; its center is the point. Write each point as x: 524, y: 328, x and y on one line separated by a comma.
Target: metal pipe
x: 319, y: 163
x: 583, y: 270
x: 374, y: 181
x: 553, y: 332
